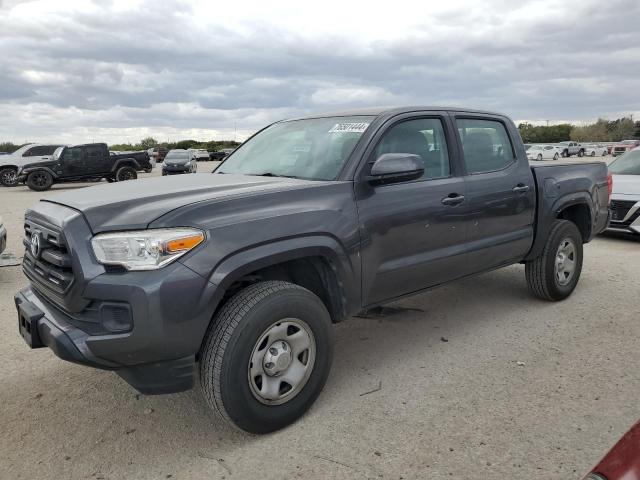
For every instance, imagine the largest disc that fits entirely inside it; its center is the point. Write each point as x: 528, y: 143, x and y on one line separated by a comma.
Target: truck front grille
x: 46, y: 260
x: 620, y: 209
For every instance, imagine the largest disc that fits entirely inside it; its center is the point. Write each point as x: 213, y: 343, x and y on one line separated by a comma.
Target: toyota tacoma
x: 235, y: 278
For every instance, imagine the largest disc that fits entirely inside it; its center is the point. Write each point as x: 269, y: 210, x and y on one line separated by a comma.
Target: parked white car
x: 200, y: 154
x: 30, y: 153
x: 595, y: 150
x: 625, y: 197
x: 544, y: 152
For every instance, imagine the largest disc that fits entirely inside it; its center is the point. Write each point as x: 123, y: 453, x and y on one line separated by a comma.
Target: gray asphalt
x: 520, y: 389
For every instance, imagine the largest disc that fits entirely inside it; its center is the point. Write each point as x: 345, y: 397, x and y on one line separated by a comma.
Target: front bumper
x: 170, y: 309
x: 174, y: 169
x: 3, y: 238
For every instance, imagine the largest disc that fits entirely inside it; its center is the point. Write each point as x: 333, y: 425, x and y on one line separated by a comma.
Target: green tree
x: 147, y: 143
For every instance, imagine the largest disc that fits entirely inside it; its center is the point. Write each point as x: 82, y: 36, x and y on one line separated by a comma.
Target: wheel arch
x: 574, y: 207
x: 317, y: 263
x: 126, y: 162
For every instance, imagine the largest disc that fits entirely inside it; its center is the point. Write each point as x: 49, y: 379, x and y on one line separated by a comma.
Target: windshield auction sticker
x: 349, y: 128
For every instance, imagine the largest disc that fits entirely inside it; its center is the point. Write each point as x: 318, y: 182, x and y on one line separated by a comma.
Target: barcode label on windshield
x: 349, y: 128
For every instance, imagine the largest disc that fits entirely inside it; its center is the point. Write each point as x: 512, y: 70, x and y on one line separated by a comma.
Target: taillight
x: 610, y: 185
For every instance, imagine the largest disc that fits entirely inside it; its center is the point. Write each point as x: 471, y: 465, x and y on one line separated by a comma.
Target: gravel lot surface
x: 475, y: 380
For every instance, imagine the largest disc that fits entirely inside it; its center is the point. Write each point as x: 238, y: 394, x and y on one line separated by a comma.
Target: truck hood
x: 626, y: 184
x: 135, y: 204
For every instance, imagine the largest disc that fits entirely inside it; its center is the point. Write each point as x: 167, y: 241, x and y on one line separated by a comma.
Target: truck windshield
x: 312, y: 149
x: 627, y: 164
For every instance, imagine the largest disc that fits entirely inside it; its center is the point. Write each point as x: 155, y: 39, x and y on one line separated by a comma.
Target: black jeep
x: 92, y: 161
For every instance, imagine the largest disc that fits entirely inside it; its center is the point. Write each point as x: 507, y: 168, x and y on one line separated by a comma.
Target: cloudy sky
x: 119, y: 70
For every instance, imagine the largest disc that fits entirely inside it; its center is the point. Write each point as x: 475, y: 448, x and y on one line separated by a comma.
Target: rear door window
x: 485, y: 144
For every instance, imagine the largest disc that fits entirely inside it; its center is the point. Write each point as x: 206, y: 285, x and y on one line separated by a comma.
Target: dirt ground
x: 475, y: 380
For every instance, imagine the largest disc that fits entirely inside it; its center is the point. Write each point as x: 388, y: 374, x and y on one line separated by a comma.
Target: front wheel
x: 39, y: 180
x: 593, y: 153
x: 555, y: 157
x: 539, y: 157
x: 554, y: 274
x: 580, y: 153
x: 9, y: 177
x: 266, y: 356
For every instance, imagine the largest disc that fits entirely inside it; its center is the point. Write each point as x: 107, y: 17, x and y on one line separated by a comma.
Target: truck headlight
x: 145, y: 249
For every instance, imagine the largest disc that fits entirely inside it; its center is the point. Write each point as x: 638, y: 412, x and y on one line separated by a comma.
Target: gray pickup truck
x: 235, y: 277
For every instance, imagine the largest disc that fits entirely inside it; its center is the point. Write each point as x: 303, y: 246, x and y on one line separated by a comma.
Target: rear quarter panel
x: 561, y: 186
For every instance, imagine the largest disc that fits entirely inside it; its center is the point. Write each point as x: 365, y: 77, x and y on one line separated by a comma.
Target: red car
x: 623, y: 460
x: 624, y: 146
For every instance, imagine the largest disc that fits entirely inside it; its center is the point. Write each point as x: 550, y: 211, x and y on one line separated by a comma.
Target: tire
x: 8, y: 177
x: 604, y: 153
x: 40, y: 180
x: 539, y: 157
x: 544, y: 278
x: 147, y: 170
x: 237, y: 334
x: 565, y: 154
x: 581, y: 153
x: 126, y: 173
x: 593, y: 153
x: 556, y: 156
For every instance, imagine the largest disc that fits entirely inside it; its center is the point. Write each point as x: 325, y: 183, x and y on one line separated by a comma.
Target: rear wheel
x: 580, y: 153
x: 8, y: 177
x: 539, y: 157
x: 555, y: 273
x: 593, y: 153
x: 126, y: 173
x: 266, y: 356
x: 40, y: 180
x: 555, y: 157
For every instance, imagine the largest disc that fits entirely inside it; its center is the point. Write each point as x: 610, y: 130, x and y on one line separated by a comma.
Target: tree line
x: 600, y: 131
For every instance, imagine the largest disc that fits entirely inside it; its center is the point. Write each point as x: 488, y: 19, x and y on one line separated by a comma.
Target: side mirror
x: 396, y: 167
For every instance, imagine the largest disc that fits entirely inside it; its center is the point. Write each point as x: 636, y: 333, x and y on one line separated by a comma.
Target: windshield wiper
x: 271, y: 174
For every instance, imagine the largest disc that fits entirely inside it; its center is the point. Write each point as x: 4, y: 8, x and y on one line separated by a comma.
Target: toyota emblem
x: 36, y: 244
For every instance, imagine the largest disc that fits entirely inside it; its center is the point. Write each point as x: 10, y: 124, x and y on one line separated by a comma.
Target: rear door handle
x: 520, y: 188
x: 453, y: 199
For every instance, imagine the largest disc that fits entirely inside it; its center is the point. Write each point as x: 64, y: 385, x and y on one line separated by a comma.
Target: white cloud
x: 120, y: 70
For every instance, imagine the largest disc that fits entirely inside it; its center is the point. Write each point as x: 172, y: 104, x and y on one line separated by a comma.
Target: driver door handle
x: 521, y: 188
x: 453, y: 199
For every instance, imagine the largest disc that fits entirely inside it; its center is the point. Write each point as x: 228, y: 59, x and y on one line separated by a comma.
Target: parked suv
x: 236, y: 277
x: 26, y: 155
x: 200, y: 154
x: 83, y: 162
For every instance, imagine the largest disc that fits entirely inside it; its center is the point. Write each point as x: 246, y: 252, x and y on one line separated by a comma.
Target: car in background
x: 88, y: 162
x: 571, y: 148
x: 28, y: 154
x: 544, y: 152
x: 595, y: 150
x: 3, y: 236
x: 179, y: 161
x: 157, y: 154
x: 625, y: 196
x: 200, y: 154
x: 624, y: 146
x: 218, y: 155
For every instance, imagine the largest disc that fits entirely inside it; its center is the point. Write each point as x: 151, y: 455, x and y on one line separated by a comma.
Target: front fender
x: 126, y: 161
x: 241, y: 263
